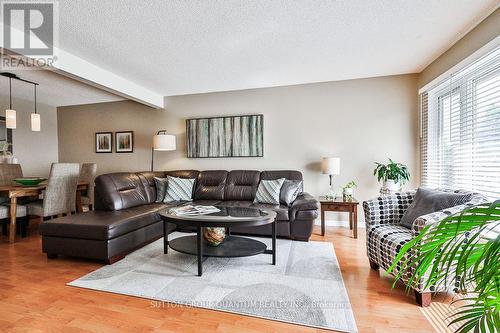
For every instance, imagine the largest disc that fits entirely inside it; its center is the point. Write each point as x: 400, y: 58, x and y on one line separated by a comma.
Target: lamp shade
x: 35, y: 122
x: 164, y: 142
x: 10, y: 119
x: 330, y: 166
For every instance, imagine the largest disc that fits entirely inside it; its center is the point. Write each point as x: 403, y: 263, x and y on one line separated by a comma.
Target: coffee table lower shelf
x: 233, y: 246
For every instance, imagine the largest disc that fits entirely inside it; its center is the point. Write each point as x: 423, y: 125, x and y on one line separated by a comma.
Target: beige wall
x: 36, y: 151
x: 483, y: 33
x: 361, y: 121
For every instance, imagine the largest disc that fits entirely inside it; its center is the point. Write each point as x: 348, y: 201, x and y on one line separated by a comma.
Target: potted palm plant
x: 393, y: 174
x: 467, y: 246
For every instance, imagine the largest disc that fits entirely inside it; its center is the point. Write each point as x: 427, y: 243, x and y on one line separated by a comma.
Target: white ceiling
x: 54, y: 89
x: 190, y: 46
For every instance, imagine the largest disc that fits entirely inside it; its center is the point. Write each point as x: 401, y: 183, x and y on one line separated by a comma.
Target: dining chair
x: 22, y: 219
x: 87, y: 175
x: 9, y: 172
x: 60, y: 194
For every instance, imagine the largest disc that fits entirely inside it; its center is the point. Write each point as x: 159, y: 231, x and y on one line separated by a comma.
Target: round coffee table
x: 232, y: 246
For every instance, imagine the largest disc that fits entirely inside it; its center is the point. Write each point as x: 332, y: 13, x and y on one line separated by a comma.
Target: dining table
x: 15, y: 191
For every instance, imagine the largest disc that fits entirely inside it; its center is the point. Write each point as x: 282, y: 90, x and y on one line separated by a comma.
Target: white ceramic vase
x: 391, y: 185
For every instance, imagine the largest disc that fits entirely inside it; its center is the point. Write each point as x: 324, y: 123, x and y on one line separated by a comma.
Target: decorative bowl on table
x: 214, y: 235
x: 29, y: 181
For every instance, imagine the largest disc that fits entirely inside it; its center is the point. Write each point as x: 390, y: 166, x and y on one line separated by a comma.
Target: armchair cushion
x: 435, y: 217
x: 428, y: 201
x: 384, y: 242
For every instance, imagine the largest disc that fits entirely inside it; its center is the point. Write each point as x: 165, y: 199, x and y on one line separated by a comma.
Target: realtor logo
x: 29, y: 29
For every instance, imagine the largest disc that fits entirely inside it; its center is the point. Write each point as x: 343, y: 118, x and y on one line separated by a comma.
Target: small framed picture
x: 104, y: 142
x: 124, y: 142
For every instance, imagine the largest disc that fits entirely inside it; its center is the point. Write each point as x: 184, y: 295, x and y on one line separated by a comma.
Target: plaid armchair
x: 385, y: 236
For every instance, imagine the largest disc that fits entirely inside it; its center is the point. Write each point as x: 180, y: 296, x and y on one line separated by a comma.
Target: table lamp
x: 330, y: 166
x: 162, y: 142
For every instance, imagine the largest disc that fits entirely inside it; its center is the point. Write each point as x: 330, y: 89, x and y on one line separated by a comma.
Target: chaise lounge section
x: 126, y: 211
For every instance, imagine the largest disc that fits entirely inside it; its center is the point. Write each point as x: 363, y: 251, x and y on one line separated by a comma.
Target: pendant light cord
x: 10, y: 93
x: 35, y: 98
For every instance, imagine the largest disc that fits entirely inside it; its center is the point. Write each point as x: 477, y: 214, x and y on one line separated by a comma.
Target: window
x: 460, y: 129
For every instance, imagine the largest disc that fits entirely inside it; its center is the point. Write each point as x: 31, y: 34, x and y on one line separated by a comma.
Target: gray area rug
x: 305, y: 287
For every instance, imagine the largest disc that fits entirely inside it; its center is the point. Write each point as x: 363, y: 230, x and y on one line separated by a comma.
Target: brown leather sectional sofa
x: 126, y: 212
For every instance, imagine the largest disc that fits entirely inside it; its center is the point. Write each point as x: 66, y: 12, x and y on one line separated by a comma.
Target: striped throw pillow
x: 268, y: 191
x: 179, y: 189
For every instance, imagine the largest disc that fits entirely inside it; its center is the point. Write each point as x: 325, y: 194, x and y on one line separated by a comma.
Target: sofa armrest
x: 388, y: 209
x: 305, y: 201
x: 434, y: 218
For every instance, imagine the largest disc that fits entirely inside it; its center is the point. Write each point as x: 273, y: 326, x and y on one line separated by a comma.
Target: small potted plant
x: 393, y: 175
x: 348, y: 190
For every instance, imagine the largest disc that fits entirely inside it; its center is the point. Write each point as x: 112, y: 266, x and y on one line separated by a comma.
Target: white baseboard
x: 337, y: 223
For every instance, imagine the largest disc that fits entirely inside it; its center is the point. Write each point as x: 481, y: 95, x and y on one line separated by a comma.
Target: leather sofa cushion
x: 117, y: 191
x: 102, y: 225
x: 241, y: 185
x: 148, y: 182
x: 182, y: 173
x: 210, y: 185
x: 235, y: 203
x: 287, y: 174
x: 311, y: 214
x: 304, y: 202
x: 281, y: 210
x: 205, y: 202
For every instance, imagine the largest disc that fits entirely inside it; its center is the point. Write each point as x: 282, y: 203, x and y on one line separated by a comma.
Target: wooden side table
x: 338, y: 205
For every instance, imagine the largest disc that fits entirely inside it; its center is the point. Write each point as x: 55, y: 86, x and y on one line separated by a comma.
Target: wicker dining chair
x: 87, y: 175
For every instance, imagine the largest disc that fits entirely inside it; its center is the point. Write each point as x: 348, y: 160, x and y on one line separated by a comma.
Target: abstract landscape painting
x: 236, y: 136
x: 103, y: 142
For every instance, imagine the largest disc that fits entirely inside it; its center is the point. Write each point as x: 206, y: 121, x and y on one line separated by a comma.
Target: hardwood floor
x: 34, y: 298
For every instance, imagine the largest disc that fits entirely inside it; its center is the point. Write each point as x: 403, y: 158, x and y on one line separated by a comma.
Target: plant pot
x: 347, y: 194
x: 391, y: 185
x: 7, y: 159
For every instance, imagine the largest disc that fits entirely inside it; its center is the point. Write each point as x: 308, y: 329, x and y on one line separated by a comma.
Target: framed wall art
x: 104, y: 142
x: 124, y: 142
x: 232, y: 136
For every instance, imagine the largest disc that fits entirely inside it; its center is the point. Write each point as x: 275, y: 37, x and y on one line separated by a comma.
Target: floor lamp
x: 162, y: 142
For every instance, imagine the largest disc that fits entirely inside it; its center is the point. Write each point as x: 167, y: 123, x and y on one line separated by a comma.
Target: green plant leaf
x: 441, y: 252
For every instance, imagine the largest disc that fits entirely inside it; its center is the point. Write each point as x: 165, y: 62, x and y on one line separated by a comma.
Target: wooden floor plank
x: 34, y: 298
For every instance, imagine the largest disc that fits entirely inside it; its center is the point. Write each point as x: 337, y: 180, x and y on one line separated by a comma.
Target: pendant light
x: 35, y: 118
x: 10, y: 114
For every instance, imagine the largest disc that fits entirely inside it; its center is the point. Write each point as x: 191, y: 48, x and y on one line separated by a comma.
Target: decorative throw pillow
x: 428, y: 201
x: 290, y: 190
x: 161, y: 188
x: 179, y: 189
x: 269, y: 191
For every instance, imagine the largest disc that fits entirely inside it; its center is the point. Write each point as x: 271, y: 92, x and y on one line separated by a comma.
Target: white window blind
x: 460, y: 129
